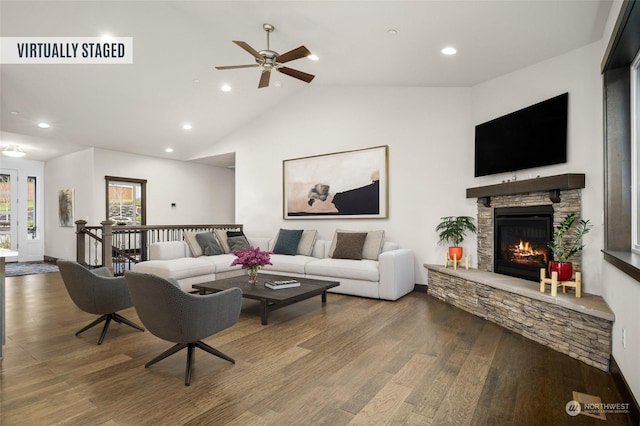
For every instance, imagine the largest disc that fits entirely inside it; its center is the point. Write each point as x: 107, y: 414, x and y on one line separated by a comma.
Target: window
x: 126, y: 204
x: 621, y: 146
x: 635, y: 153
x: 32, y: 208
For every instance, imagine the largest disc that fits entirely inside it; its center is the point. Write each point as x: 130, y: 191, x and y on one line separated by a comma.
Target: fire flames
x: 523, y: 252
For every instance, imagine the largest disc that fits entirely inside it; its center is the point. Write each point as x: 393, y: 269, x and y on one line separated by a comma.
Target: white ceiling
x: 140, y: 108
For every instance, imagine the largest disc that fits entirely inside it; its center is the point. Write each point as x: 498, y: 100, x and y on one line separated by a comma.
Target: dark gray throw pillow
x: 349, y: 245
x: 213, y: 249
x: 205, y: 239
x: 238, y: 243
x: 288, y: 240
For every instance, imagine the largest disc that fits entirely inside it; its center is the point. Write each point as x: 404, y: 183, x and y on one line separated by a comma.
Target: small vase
x: 564, y: 270
x: 455, y: 251
x: 253, y: 275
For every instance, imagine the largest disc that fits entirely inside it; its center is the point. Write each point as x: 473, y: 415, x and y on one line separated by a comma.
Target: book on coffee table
x: 282, y: 284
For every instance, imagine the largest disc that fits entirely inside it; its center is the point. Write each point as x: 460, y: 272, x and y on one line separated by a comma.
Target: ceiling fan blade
x: 292, y: 55
x: 249, y: 49
x: 297, y: 74
x: 230, y: 67
x: 264, y: 78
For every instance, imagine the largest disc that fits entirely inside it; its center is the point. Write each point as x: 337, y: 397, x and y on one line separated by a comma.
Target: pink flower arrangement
x: 251, y: 258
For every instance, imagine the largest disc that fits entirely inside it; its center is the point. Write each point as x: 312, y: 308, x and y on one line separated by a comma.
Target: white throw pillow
x: 190, y: 239
x: 307, y: 241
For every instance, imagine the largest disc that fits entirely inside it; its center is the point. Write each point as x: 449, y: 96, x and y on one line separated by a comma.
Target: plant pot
x: 564, y: 270
x: 455, y: 252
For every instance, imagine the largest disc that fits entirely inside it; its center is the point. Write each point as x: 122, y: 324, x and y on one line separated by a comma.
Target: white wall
x: 73, y: 171
x: 203, y: 194
x: 430, y: 140
x: 577, y: 72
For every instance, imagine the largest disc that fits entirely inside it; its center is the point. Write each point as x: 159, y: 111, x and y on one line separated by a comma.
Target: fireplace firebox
x: 520, y: 238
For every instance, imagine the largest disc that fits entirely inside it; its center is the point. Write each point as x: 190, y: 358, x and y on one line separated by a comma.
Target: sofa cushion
x: 166, y: 250
x: 349, y: 245
x: 372, y: 244
x: 290, y: 264
x: 366, y: 269
x: 287, y: 241
x: 222, y: 262
x: 177, y: 269
x: 209, y: 243
x: 307, y: 241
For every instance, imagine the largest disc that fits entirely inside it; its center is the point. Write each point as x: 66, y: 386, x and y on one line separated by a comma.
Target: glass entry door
x: 8, y: 212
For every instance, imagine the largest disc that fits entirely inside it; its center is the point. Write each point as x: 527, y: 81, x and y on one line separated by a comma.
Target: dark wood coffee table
x: 269, y: 298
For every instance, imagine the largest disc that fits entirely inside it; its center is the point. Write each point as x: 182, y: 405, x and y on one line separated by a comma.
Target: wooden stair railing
x: 118, y: 247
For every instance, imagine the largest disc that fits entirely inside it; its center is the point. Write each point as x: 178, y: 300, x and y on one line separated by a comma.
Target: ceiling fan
x: 269, y: 60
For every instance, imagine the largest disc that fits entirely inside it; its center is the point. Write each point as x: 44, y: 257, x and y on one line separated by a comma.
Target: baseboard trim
x: 625, y: 391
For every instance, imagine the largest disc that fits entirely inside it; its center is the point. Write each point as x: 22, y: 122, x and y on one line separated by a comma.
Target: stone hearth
x: 578, y: 327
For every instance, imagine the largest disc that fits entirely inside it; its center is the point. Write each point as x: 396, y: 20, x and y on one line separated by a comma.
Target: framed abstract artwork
x: 340, y: 185
x: 65, y: 208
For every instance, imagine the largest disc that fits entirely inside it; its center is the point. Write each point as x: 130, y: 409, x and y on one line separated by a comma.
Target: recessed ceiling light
x: 196, y: 81
x: 391, y: 31
x: 187, y: 126
x: 225, y: 88
x: 14, y: 112
x: 449, y: 50
x: 44, y: 125
x: 107, y: 38
x: 313, y: 57
x: 168, y: 150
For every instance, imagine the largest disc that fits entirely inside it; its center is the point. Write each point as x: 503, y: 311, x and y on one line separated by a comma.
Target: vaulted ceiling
x: 141, y: 108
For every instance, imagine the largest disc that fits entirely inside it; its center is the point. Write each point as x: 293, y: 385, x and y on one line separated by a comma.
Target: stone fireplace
x: 525, y: 210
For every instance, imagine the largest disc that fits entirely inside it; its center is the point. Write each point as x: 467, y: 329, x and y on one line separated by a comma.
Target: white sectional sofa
x: 389, y: 277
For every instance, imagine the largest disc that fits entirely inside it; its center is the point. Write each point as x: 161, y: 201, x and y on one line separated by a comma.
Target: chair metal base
x: 107, y: 319
x: 190, y: 346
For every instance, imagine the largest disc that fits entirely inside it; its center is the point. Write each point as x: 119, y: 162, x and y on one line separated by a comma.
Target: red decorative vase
x: 564, y: 270
x: 455, y: 251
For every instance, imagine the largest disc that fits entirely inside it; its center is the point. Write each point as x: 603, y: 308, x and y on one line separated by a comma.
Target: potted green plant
x: 453, y: 230
x: 566, y: 243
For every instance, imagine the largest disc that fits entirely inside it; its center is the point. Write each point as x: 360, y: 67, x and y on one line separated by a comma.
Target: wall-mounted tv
x: 531, y: 137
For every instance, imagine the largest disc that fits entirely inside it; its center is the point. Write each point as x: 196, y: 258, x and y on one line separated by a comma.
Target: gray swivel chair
x: 176, y: 316
x: 98, y: 292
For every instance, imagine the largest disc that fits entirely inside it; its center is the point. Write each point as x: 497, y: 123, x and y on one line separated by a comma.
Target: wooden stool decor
x: 455, y: 261
x: 576, y: 283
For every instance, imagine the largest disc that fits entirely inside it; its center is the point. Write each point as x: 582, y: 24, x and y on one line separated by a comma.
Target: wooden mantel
x: 553, y: 184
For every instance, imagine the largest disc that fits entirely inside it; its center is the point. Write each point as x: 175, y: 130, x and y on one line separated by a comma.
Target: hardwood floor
x: 416, y: 361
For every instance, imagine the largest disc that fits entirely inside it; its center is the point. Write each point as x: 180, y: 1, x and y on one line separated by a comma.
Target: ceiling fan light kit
x: 270, y: 60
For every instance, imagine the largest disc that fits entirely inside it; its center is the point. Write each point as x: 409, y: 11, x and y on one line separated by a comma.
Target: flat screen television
x: 531, y: 137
